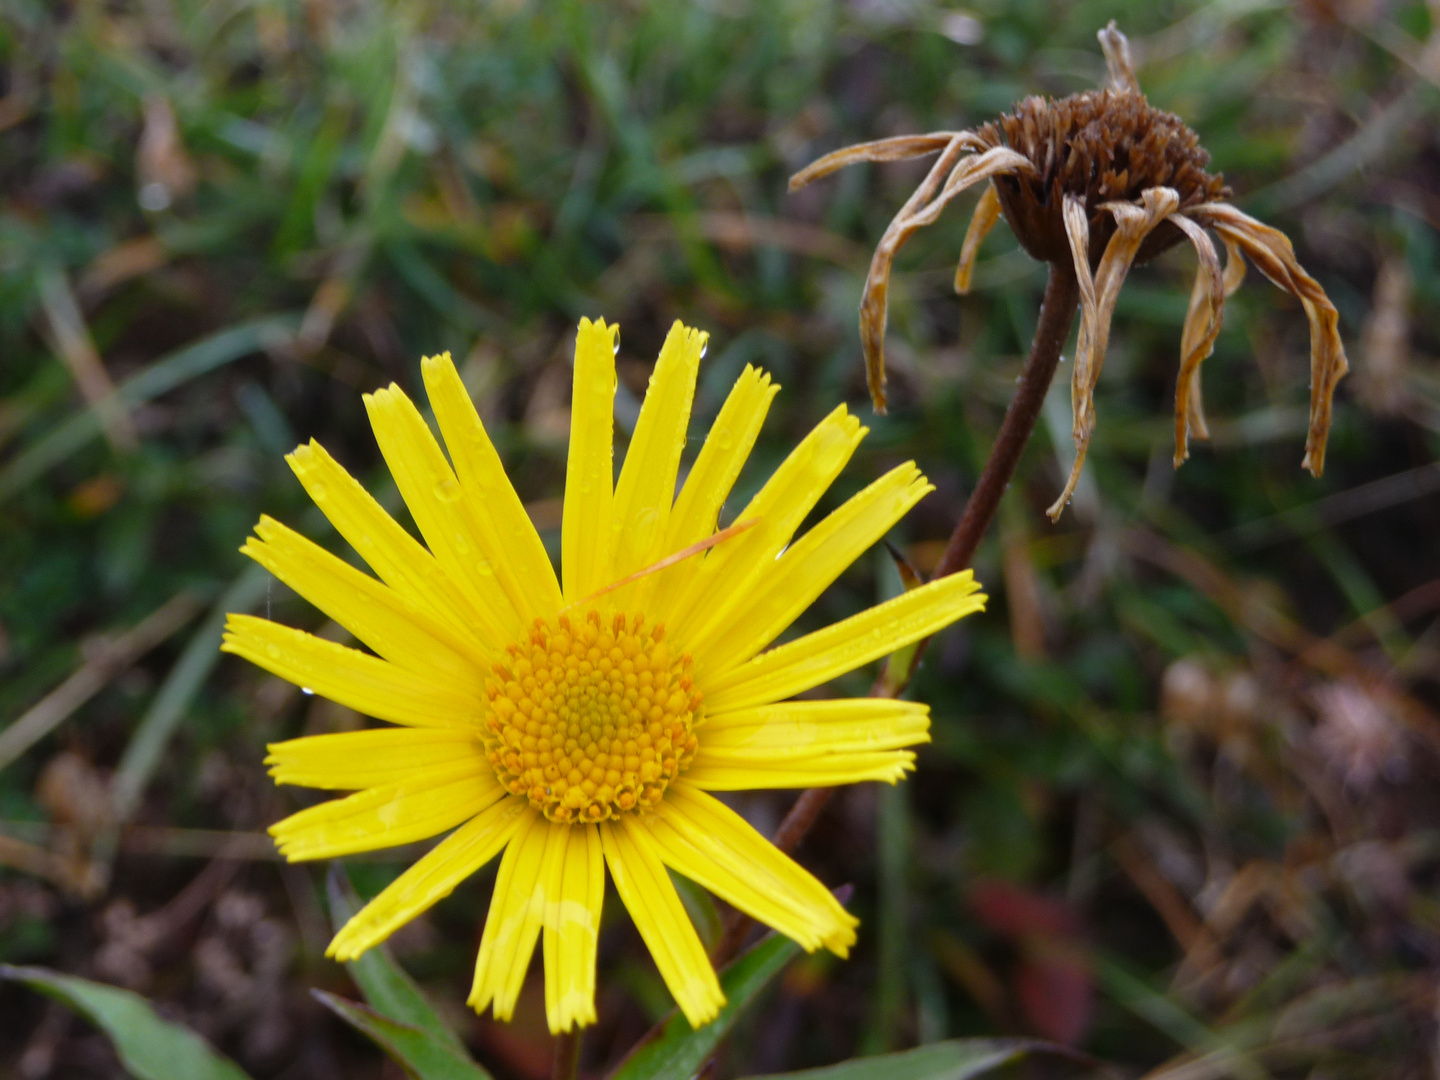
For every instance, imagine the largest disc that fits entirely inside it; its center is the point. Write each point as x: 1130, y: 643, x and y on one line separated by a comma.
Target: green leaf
x: 385, y: 984
x: 680, y: 1050
x: 900, y: 665
x: 700, y: 908
x: 418, y: 1052
x: 150, y: 1048
x: 958, y: 1059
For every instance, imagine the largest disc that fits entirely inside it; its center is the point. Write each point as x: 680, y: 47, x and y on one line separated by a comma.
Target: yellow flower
x: 582, y: 726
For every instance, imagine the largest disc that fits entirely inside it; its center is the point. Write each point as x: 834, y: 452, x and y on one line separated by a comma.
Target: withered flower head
x: 1099, y: 181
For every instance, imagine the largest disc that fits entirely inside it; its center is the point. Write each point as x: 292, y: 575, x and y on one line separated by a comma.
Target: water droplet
x: 483, y: 567
x: 724, y: 439
x: 154, y: 197
x: 447, y: 490
x: 307, y: 691
x: 318, y: 492
x: 273, y: 650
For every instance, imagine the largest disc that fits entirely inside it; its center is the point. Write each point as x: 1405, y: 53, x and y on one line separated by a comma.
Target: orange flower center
x: 591, y: 719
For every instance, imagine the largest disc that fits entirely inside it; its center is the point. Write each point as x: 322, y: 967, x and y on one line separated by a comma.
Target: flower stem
x: 566, y: 1063
x: 1057, y: 313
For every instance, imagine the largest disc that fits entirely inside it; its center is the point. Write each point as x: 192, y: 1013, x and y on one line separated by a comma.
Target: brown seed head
x: 1103, y: 146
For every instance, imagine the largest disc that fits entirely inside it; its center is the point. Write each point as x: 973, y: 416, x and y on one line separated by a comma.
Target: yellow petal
x: 648, y: 894
x: 355, y: 679
x: 432, y: 878
x: 572, y: 928
x: 728, y: 574
x: 712, y: 477
x: 433, y: 497
x: 646, y: 487
x: 805, y: 570
x: 743, y: 770
x: 714, y: 473
x: 352, y: 760
x: 423, y: 805
x: 811, y: 660
x: 373, y: 612
x: 496, y: 513
x: 586, y: 536
x: 390, y: 551
x: 807, y: 728
x: 512, y: 925
x: 710, y: 844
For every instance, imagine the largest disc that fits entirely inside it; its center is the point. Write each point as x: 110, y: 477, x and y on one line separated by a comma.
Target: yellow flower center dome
x: 591, y: 718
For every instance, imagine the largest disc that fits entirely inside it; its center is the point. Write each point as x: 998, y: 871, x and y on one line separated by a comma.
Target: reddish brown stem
x: 1057, y: 313
x: 566, y: 1063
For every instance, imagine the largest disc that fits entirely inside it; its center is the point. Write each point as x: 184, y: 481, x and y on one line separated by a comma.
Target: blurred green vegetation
x: 1181, y: 801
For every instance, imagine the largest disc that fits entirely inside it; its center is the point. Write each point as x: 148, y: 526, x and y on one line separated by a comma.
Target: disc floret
x: 591, y: 718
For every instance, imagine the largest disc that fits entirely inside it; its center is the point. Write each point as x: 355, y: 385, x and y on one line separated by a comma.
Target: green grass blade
x: 957, y: 1059
x: 164, y: 375
x: 147, y: 744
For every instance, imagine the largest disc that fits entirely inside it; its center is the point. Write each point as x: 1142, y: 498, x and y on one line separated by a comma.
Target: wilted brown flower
x: 1104, y: 181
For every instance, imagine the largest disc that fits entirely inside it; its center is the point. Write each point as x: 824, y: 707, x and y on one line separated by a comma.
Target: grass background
x: 1181, y: 798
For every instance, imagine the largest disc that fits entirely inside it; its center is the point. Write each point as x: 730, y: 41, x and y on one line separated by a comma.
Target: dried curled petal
x: 987, y: 213
x: 1272, y: 252
x: 920, y: 210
